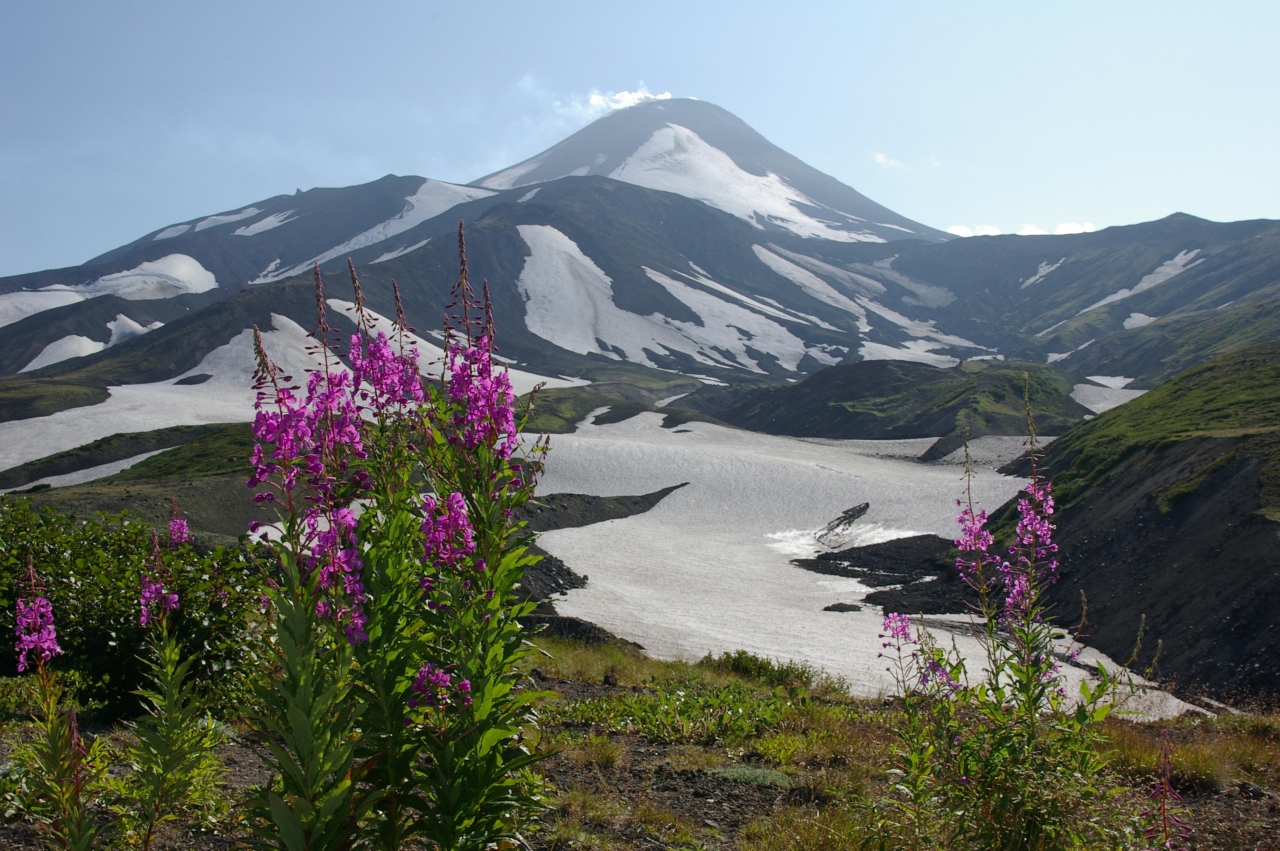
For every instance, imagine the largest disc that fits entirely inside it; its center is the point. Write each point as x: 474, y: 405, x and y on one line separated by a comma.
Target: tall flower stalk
x: 65, y: 770
x: 399, y: 558
x: 1007, y: 761
x: 174, y: 767
x: 307, y: 450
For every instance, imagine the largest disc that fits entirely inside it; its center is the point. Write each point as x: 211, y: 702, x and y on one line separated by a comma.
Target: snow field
x: 226, y: 397
x: 707, y: 570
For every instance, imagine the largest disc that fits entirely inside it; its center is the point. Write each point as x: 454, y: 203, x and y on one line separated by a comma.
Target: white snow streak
x: 123, y: 328
x: 171, y: 275
x: 172, y: 231
x: 812, y: 284
x: 227, y: 397
x: 264, y: 224
x: 89, y: 474
x: 918, y: 351
x: 1045, y: 269
x: 432, y: 198
x: 1054, y: 357
x: 227, y: 218
x: 1138, y: 320
x: 1164, y: 272
x: 1116, y: 382
x: 400, y: 252
x: 569, y: 302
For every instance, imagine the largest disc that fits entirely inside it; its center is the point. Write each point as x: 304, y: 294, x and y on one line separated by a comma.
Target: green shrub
x: 789, y: 674
x: 93, y: 569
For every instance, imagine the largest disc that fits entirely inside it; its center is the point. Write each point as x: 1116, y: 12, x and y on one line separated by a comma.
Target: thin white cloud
x: 886, y: 161
x: 622, y: 100
x: 976, y: 230
x: 1074, y: 227
x: 1031, y: 230
x: 585, y: 108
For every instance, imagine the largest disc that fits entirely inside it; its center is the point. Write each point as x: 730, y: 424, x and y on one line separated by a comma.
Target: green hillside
x: 899, y: 399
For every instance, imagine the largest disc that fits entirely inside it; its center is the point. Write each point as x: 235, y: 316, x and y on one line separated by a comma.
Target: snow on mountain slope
x: 71, y: 346
x: 171, y: 275
x: 675, y: 159
x: 123, y: 328
x: 226, y: 397
x: 569, y: 302
x: 265, y: 224
x: 17, y: 306
x: 1099, y: 399
x: 812, y: 284
x: 1164, y: 272
x: 78, y: 345
x: 227, y: 218
x: 432, y: 198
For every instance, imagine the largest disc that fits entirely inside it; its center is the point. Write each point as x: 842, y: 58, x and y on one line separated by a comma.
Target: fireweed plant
x: 64, y: 770
x: 1007, y: 760
x: 395, y: 719
x: 174, y: 768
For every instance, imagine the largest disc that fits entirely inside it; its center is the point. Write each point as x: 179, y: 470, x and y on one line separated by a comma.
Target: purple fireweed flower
x: 448, y: 538
x: 484, y: 400
x: 436, y: 687
x: 153, y: 602
x: 383, y: 379
x: 933, y: 672
x: 897, y: 629
x: 306, y: 449
x: 179, y: 534
x: 35, y: 631
x: 974, y: 538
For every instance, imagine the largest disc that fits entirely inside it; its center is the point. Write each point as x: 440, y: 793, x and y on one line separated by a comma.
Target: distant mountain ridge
x: 668, y: 236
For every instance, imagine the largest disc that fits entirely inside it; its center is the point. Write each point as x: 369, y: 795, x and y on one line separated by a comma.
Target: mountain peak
x: 702, y: 151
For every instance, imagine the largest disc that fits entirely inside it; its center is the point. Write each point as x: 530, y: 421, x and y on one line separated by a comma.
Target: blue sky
x: 123, y: 117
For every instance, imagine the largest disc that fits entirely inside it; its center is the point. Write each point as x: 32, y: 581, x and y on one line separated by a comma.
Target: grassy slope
x: 1168, y: 510
x: 897, y: 399
x: 1237, y: 395
x: 117, y: 447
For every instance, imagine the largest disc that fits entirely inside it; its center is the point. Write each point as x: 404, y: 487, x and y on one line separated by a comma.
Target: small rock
x: 1251, y: 791
x: 711, y: 824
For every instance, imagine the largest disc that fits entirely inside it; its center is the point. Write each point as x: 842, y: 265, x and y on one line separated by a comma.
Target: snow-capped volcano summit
x: 701, y: 151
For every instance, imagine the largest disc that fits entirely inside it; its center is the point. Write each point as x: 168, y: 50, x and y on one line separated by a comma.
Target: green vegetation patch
x: 221, y: 450
x: 117, y: 447
x: 1236, y: 395
x: 897, y: 399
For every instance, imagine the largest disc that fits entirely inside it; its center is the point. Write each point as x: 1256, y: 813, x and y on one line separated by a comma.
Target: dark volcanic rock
x: 917, y: 575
